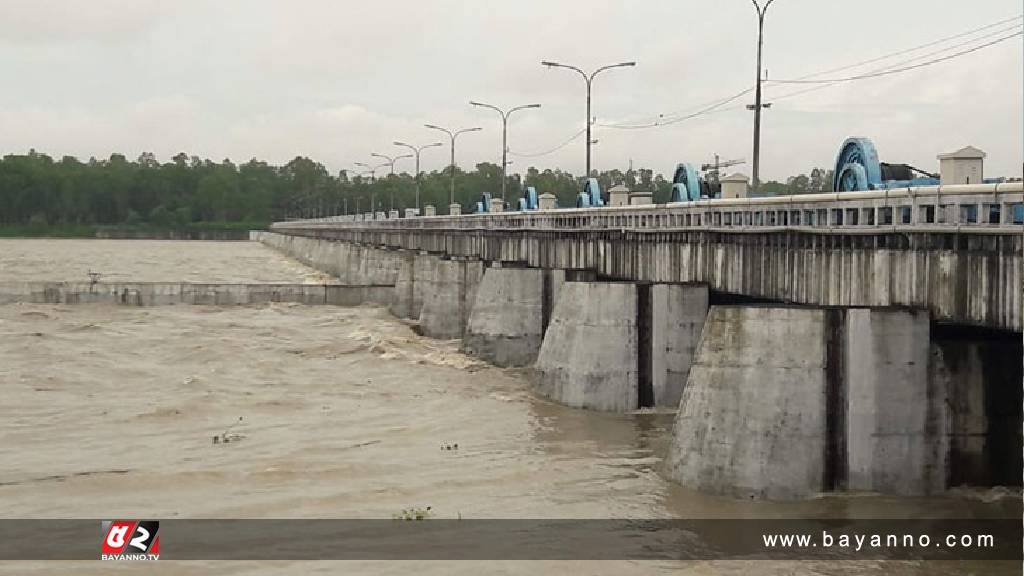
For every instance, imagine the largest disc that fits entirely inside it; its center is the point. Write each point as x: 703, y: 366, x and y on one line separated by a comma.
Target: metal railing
x: 985, y: 208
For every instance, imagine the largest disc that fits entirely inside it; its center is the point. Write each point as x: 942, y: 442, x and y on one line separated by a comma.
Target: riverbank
x: 193, y: 231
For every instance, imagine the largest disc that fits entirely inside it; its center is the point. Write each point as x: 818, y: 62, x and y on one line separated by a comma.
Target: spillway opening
x: 644, y: 336
x: 981, y: 370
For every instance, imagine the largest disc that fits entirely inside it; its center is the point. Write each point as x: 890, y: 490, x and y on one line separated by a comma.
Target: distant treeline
x: 40, y: 193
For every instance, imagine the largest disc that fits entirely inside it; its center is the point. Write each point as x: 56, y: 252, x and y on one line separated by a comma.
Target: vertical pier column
x: 449, y: 289
x: 589, y: 355
x: 783, y: 403
x: 678, y: 312
x: 895, y: 414
x: 506, y: 323
x: 405, y: 304
x: 751, y: 420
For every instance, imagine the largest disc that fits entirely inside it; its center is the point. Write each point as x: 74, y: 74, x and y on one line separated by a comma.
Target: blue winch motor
x: 591, y: 195
x: 858, y: 168
x: 484, y: 204
x: 529, y: 199
x: 686, y: 185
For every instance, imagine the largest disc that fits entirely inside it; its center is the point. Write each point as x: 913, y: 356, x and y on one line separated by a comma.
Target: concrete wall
x: 167, y: 293
x: 506, y: 323
x: 752, y: 422
x: 352, y: 264
x: 405, y: 303
x: 449, y: 290
x: 971, y: 280
x: 589, y: 357
x: 678, y: 315
x: 895, y: 419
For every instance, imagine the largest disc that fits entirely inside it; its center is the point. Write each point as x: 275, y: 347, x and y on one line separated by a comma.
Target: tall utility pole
x: 391, y: 162
x: 757, y: 94
x: 453, y: 136
x: 416, y: 151
x: 590, y: 80
x: 504, y: 136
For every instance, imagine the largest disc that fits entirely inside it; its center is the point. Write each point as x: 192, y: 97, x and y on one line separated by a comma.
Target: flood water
x: 339, y: 413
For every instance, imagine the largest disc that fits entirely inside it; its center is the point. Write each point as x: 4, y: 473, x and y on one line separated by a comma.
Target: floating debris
x: 413, y: 514
x: 226, y: 437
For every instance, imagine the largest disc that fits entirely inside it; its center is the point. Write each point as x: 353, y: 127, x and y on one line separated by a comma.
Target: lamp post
x: 416, y: 151
x: 504, y: 135
x: 757, y: 93
x: 453, y: 136
x: 362, y: 174
x: 373, y: 180
x: 371, y: 170
x: 589, y: 79
x: 391, y: 162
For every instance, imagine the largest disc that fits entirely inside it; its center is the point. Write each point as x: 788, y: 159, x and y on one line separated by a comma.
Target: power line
x: 570, y: 140
x: 915, y: 48
x: 888, y: 68
x: 661, y: 118
x: 902, y: 69
x: 825, y: 83
x: 659, y: 122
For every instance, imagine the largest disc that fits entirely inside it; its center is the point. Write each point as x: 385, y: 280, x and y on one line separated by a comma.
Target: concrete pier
x: 405, y: 303
x: 752, y: 420
x: 678, y: 312
x: 449, y: 290
x: 506, y: 325
x: 589, y: 358
x: 783, y: 403
x: 895, y: 416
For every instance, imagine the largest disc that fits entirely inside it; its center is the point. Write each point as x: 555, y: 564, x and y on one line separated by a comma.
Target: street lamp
x: 373, y: 180
x: 416, y: 151
x: 757, y: 97
x: 504, y: 135
x: 452, y: 135
x: 589, y: 79
x: 391, y: 162
x: 371, y: 170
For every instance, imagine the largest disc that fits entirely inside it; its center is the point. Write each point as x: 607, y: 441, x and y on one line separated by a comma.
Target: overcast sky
x: 337, y: 80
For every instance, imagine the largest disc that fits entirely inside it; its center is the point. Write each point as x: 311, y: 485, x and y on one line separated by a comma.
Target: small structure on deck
x: 619, y: 195
x: 965, y: 166
x: 735, y: 186
x: 641, y: 198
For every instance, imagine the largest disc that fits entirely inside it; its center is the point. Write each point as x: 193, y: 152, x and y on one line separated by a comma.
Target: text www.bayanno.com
x: 858, y: 542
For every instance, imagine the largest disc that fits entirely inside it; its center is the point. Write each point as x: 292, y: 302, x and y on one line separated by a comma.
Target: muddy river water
x: 338, y: 413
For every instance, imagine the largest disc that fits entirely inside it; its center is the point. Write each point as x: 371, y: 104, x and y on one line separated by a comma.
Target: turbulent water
x: 149, y: 261
x: 335, y: 413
